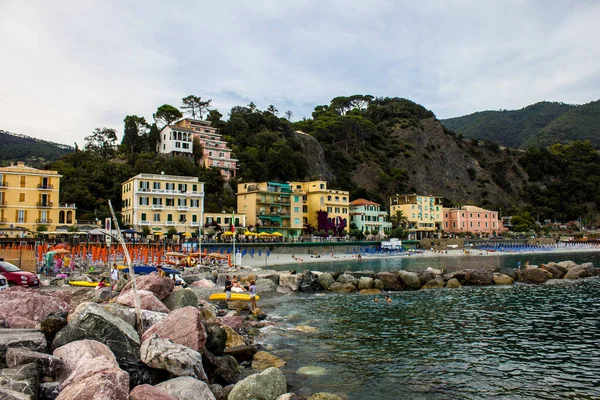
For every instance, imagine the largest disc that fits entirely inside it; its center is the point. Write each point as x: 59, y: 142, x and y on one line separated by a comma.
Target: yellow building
x: 29, y: 200
x: 271, y: 207
x: 423, y: 213
x: 316, y: 197
x: 161, y: 202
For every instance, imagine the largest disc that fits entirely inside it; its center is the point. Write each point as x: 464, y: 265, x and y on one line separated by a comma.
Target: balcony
x: 45, y: 187
x: 170, y: 223
x: 47, y: 204
x: 183, y: 208
x: 67, y: 205
x: 43, y: 221
x: 195, y: 224
x: 144, y: 222
x: 2, y: 203
x: 3, y: 184
x: 158, y: 207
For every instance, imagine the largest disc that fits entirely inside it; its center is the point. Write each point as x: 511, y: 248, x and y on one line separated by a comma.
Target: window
x: 471, y: 224
x: 156, y: 185
x: 322, y: 186
x: 305, y: 209
x: 329, y: 210
x: 144, y: 201
x: 185, y: 145
x: 195, y: 188
x: 194, y: 218
x: 297, y: 209
x: 23, y: 181
x: 218, y: 220
x: 22, y: 216
x: 182, y: 202
x: 156, y: 217
x: 296, y: 199
x: 157, y: 201
x: 328, y: 198
x: 169, y: 217
x: 21, y: 197
x: 143, y: 216
x: 182, y: 218
x: 170, y: 186
x: 169, y: 202
x: 177, y: 145
x: 296, y: 221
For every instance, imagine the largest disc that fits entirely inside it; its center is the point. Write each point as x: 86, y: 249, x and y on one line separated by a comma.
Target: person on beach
x: 114, y: 273
x: 160, y: 271
x: 253, y: 295
x: 228, y: 286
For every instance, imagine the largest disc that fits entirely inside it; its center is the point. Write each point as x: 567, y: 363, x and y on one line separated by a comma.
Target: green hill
x: 540, y: 124
x: 34, y: 152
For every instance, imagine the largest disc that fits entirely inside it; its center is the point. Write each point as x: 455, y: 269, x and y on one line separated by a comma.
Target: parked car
x: 17, y: 277
x: 3, y: 283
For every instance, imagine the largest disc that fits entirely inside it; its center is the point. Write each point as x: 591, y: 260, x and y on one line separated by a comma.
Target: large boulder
x: 233, y: 321
x: 291, y: 281
x: 49, y: 390
x: 268, y: 385
x: 241, y: 353
x: 47, y: 364
x: 81, y: 352
x: 94, y: 323
x: 566, y: 265
x: 460, y: 276
x: 502, y: 279
x: 23, y: 379
x: 234, y: 339
x: 391, y: 281
x: 361, y: 274
x: 310, y: 282
x: 342, y: 287
x: 556, y: 272
x: 161, y: 286
x: 148, y: 392
x: 425, y: 276
x: 265, y: 285
x: 365, y: 282
x: 216, y: 338
x: 220, y: 392
x: 180, y: 299
x: 223, y: 370
x: 148, y: 301
x: 29, y: 339
x: 326, y: 280
x: 453, y: 283
x: 53, y: 323
x: 177, y: 359
x: 26, y: 308
x: 435, y: 283
x: 532, y: 275
x: 347, y: 278
x: 187, y: 388
x: 263, y: 360
x: 580, y: 271
x: 478, y: 277
x: 202, y: 283
x: 182, y: 326
x: 410, y: 279
x: 98, y: 377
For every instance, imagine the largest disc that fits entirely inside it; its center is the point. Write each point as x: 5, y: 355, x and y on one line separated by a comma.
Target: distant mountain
x: 34, y: 152
x: 540, y: 124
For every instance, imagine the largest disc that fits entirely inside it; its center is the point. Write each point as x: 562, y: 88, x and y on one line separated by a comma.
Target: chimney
x: 20, y: 164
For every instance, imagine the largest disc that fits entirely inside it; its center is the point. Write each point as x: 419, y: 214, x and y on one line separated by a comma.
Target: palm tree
x: 399, y: 219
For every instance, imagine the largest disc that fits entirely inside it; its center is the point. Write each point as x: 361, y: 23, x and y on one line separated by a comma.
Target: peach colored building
x: 472, y: 219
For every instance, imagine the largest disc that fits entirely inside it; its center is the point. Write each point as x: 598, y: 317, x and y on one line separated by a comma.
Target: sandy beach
x: 288, y: 259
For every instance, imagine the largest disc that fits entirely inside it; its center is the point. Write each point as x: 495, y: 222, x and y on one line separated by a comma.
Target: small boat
x: 83, y: 283
x: 234, y: 297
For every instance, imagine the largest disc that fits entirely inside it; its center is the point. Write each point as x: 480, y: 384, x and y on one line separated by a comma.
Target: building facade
x: 29, y: 200
x: 271, y: 207
x: 472, y: 219
x: 424, y: 214
x: 223, y: 219
x: 316, y: 197
x: 367, y: 216
x: 161, y: 202
x: 178, y: 139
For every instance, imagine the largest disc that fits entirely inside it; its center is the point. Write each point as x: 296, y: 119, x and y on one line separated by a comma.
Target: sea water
x: 509, y: 342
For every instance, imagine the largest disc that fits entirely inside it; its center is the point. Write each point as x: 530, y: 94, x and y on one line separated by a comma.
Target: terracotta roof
x: 363, y: 202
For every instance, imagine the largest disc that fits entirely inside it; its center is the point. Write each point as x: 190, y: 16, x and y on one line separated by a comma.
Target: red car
x: 15, y: 276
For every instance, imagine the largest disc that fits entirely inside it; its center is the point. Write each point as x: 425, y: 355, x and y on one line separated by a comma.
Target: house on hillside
x: 423, y: 214
x: 368, y: 216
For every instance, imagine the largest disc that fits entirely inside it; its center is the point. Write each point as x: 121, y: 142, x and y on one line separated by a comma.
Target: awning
x: 274, y: 218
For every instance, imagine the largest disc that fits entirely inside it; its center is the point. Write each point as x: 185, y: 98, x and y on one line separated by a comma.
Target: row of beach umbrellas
x: 261, y: 234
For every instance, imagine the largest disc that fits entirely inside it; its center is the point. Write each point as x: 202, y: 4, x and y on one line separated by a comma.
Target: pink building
x: 216, y: 152
x: 472, y: 219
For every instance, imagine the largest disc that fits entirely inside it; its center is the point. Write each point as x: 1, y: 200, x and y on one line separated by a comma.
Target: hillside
x: 540, y: 124
x: 34, y: 152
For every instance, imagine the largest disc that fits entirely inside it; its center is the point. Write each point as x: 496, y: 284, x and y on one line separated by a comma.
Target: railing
x: 67, y: 205
x: 182, y: 208
x: 43, y: 221
x: 42, y: 186
x: 144, y: 222
x: 169, y: 191
x: 273, y: 213
x: 44, y: 204
x: 195, y: 224
x: 170, y: 223
x: 158, y: 207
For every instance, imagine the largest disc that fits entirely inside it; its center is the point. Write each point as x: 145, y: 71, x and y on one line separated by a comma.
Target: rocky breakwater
x: 188, y: 349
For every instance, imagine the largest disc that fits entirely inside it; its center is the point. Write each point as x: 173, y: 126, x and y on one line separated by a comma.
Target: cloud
x: 67, y: 70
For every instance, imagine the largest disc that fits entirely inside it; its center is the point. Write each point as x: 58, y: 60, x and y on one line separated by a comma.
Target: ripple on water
x: 531, y: 341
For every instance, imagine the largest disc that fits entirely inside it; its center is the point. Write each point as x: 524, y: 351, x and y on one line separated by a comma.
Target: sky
x: 68, y: 67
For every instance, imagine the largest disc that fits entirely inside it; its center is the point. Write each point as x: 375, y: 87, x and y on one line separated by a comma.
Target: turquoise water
x: 514, y: 342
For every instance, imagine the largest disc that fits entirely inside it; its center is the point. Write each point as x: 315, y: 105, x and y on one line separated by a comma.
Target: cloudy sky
x: 67, y: 67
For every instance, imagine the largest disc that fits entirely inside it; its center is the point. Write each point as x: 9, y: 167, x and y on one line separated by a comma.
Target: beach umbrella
x: 248, y: 233
x: 228, y: 233
x: 61, y: 251
x: 277, y: 234
x: 174, y: 254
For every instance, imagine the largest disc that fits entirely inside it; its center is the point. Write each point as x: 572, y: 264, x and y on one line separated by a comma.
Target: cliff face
x: 312, y: 149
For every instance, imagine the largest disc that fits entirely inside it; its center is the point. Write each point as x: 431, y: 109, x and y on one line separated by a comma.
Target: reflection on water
x: 521, y: 341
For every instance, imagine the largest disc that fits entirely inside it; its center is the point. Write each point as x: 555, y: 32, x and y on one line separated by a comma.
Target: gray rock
x: 478, y: 277
x: 268, y: 385
x: 435, y: 283
x: 30, y: 339
x: 216, y: 339
x: 94, y: 323
x: 310, y: 282
x: 187, y: 388
x: 410, y: 279
x: 556, y: 272
x: 241, y: 353
x: 49, y: 390
x: 532, y: 275
x: 7, y: 394
x: 180, y: 299
x: 288, y: 396
x: 502, y: 279
x: 175, y: 358
x: 580, y: 271
x: 365, y: 282
x: 22, y: 379
x: 391, y: 281
x: 347, y: 278
x: 458, y: 275
x: 223, y: 370
x: 52, y: 324
x: 425, y: 276
x: 47, y: 364
x: 220, y: 392
x: 265, y: 285
x: 326, y: 280
x: 102, y: 295
x: 360, y: 274
x: 453, y: 283
x: 378, y: 284
x: 566, y: 265
x: 338, y: 287
x: 291, y: 281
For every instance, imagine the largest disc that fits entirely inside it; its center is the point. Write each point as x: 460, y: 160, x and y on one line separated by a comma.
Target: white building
x: 176, y: 140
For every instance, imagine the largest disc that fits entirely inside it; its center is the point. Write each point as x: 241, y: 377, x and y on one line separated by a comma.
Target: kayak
x: 234, y: 297
x: 83, y: 283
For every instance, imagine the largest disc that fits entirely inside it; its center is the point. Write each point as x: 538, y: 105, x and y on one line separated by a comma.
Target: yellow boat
x: 234, y: 297
x: 83, y: 283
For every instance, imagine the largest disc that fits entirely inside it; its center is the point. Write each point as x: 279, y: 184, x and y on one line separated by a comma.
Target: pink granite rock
x: 148, y: 301
x: 82, y: 352
x: 159, y: 285
x: 182, y: 326
x: 26, y: 308
x: 62, y: 295
x: 234, y: 322
x: 203, y: 283
x: 147, y: 392
x: 98, y: 379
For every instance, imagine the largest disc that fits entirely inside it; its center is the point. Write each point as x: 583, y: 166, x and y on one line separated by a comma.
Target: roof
x: 364, y: 202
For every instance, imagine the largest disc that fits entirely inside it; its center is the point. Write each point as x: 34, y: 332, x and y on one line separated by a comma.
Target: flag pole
x: 233, y: 231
